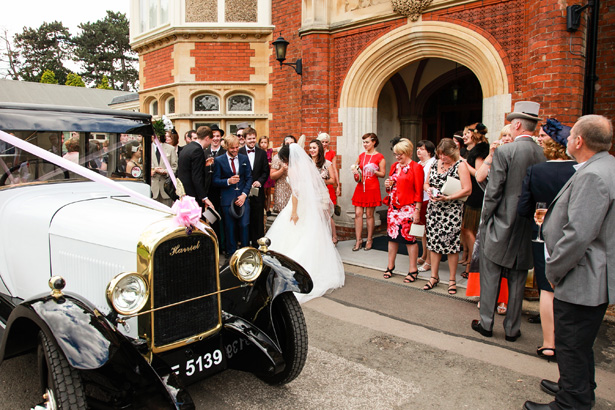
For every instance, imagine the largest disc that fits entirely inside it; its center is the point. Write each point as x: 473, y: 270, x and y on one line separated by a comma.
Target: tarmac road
x: 377, y: 344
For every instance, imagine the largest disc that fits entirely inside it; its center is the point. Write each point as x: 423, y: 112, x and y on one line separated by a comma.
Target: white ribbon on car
x: 180, y: 208
x: 165, y: 160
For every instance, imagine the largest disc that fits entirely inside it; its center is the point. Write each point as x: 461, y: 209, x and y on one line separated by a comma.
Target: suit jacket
x: 260, y: 170
x: 579, y: 232
x: 222, y: 172
x: 214, y: 191
x: 158, y: 179
x: 191, y: 171
x: 506, y: 237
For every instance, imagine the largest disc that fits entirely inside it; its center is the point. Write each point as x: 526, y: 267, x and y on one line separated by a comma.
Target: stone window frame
x: 228, y: 101
x: 218, y: 111
x: 167, y: 108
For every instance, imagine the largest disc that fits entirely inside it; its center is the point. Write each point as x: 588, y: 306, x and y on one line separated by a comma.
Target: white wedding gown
x: 309, y: 241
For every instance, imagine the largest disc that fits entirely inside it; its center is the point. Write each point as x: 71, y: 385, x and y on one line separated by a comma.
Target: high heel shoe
x: 388, y: 274
x: 541, y: 353
x: 430, y: 285
x: 368, y: 247
x: 425, y: 267
x: 357, y: 246
x: 466, y: 273
x: 452, y: 287
x: 411, y: 277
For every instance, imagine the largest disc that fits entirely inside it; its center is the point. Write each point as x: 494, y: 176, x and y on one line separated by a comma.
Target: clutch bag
x: 451, y: 186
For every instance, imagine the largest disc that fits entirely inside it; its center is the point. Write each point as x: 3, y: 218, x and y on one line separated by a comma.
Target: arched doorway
x: 375, y: 70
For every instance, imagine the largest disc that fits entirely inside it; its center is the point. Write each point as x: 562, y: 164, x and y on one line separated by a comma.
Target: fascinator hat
x: 557, y: 131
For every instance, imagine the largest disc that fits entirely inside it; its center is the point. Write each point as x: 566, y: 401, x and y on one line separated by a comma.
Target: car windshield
x: 117, y: 156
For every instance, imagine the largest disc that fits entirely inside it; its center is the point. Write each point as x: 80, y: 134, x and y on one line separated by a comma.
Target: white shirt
x: 251, y: 155
x: 426, y: 168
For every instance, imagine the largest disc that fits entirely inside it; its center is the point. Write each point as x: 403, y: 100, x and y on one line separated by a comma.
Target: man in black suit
x: 260, y: 172
x: 216, y: 150
x: 189, y: 136
x: 191, y: 167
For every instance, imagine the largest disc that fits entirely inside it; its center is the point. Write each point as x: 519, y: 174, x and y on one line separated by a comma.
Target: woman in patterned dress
x: 279, y: 172
x: 370, y: 166
x: 405, y: 199
x: 444, y: 212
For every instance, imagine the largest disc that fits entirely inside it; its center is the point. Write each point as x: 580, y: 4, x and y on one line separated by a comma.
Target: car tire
x: 291, y: 331
x: 59, y: 380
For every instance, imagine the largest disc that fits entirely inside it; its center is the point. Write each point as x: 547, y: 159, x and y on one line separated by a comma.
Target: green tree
x: 103, y: 49
x: 104, y: 84
x: 49, y: 77
x: 74, y: 80
x: 43, y: 49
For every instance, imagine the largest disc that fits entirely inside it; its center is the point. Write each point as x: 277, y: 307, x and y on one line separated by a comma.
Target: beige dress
x: 282, y: 191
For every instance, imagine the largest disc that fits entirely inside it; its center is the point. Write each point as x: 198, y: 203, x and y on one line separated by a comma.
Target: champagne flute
x: 539, y: 216
x: 237, y: 184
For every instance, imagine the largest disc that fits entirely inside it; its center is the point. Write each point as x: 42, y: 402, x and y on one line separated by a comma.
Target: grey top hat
x: 243, y: 125
x: 527, y: 110
x: 236, y: 211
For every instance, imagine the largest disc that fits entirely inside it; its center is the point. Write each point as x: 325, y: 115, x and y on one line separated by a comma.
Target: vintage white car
x: 124, y: 305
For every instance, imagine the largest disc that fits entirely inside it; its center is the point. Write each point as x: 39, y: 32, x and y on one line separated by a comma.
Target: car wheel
x: 60, y: 383
x: 291, y: 331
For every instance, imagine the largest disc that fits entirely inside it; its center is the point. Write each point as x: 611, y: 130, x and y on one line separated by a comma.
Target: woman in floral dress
x: 405, y: 199
x: 444, y: 212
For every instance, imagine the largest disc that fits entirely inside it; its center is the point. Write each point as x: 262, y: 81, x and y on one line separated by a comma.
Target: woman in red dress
x: 370, y: 166
x: 335, y: 189
x: 405, y: 199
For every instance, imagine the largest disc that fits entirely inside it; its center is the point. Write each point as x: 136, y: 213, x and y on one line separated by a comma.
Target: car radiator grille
x: 180, y: 274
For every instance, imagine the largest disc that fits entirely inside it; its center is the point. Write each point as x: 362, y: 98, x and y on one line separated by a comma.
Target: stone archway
x: 401, y: 47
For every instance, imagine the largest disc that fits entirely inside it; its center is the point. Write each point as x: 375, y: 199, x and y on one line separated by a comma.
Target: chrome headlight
x: 246, y: 264
x: 127, y: 293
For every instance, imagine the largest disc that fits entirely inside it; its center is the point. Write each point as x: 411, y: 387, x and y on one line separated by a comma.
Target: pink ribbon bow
x: 187, y: 211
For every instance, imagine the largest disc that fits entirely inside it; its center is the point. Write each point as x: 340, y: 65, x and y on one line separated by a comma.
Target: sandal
x: 540, y: 352
x: 420, y: 261
x: 357, y: 246
x: 452, y: 288
x: 430, y: 285
x: 368, y: 248
x: 502, y: 308
x: 411, y: 277
x: 465, y: 274
x: 426, y: 266
x: 388, y: 273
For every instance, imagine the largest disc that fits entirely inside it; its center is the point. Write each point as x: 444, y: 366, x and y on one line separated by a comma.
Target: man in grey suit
x: 580, y: 262
x: 505, y: 247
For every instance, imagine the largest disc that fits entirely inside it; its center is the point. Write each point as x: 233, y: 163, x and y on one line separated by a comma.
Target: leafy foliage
x: 49, y: 77
x: 74, y: 80
x: 104, y: 84
x: 103, y: 49
x: 41, y: 49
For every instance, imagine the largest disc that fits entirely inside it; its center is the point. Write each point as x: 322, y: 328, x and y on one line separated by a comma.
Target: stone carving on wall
x: 352, y: 5
x: 244, y: 11
x: 240, y: 103
x: 206, y: 103
x: 410, y: 8
x: 201, y: 11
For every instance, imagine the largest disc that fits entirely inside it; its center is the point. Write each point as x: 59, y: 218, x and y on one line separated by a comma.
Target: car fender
x: 285, y: 275
x: 90, y: 343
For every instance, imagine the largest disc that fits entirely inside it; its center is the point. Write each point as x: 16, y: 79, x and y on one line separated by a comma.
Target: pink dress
x: 367, y: 192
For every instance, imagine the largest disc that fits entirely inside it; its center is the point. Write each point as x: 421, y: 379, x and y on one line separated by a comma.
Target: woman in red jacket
x: 405, y: 188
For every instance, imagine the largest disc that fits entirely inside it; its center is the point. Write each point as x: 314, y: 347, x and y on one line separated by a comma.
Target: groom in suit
x: 191, y: 167
x: 580, y: 262
x: 506, y: 246
x: 260, y: 173
x: 231, y: 171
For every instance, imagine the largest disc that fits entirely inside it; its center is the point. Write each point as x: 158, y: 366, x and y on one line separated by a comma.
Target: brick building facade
x: 417, y: 68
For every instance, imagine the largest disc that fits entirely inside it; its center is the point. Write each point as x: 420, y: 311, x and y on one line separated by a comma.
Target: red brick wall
x: 535, y: 42
x: 222, y: 61
x: 285, y: 103
x: 158, y: 67
x: 605, y: 63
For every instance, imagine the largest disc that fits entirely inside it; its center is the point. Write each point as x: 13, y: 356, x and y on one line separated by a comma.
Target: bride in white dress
x: 302, y: 230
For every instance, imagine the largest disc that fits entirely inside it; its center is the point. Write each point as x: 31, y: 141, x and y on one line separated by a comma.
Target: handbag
x: 358, y: 177
x: 451, y: 186
x: 169, y: 188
